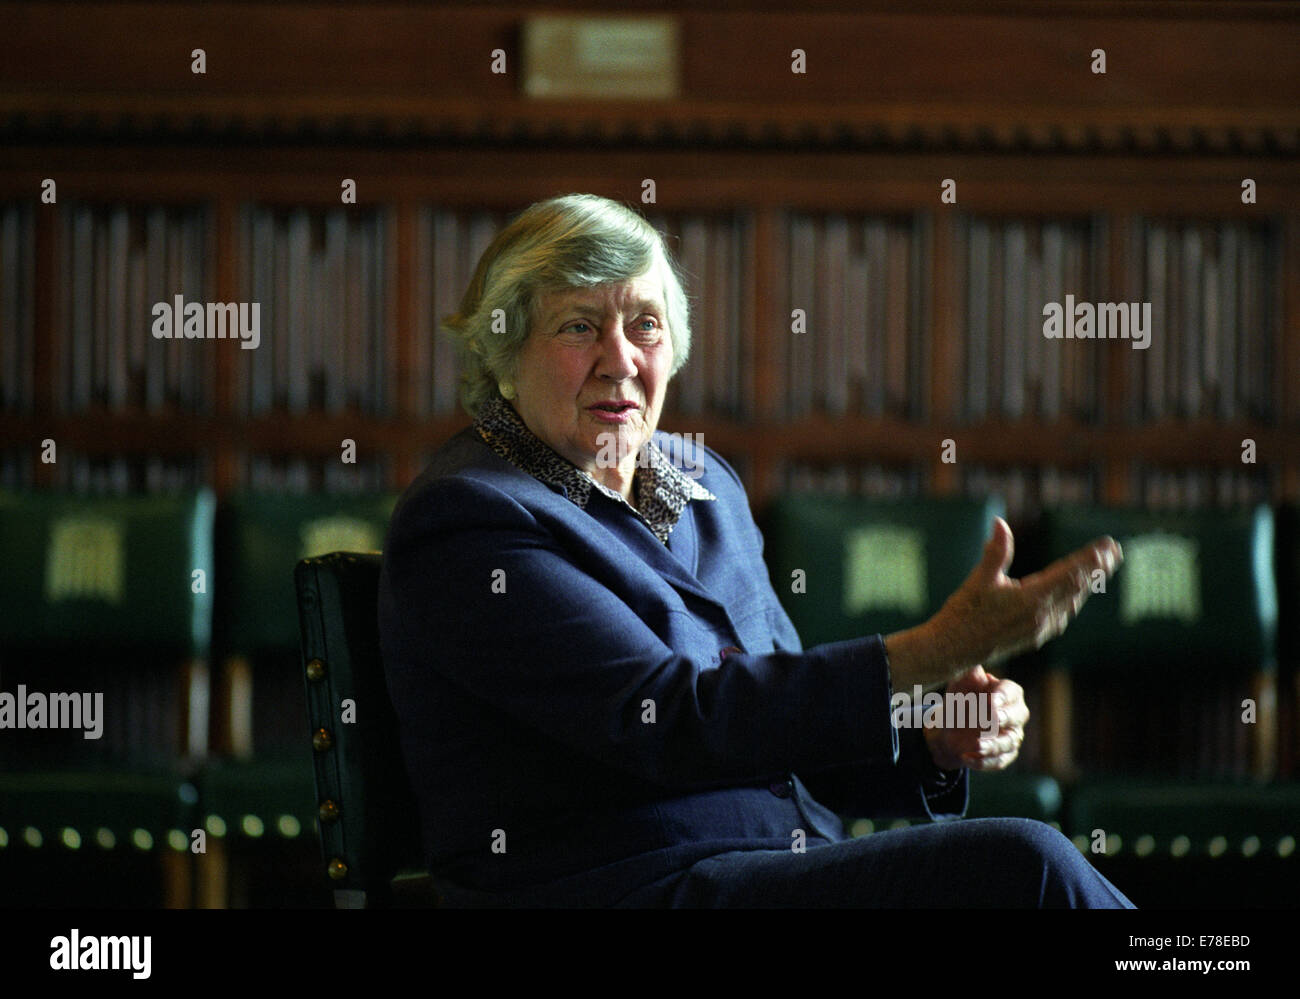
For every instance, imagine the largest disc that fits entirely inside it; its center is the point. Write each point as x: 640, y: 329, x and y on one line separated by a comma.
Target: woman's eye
x: 580, y: 328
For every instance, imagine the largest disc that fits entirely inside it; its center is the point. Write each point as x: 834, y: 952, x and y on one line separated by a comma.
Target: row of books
x: 1213, y: 290
x: 323, y: 281
x: 851, y: 321
x: 324, y: 284
x: 863, y: 287
x: 1008, y: 272
x: 712, y: 252
x: 117, y: 264
x: 1137, y: 723
x: 17, y: 307
x: 852, y: 326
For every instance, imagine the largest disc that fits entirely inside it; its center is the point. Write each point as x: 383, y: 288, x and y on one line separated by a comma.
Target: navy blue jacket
x: 566, y: 706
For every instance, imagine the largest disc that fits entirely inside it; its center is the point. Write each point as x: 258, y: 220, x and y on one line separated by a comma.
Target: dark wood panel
x: 1025, y: 125
x: 256, y: 49
x: 509, y: 179
x: 1206, y: 56
x: 1224, y: 76
x: 927, y: 57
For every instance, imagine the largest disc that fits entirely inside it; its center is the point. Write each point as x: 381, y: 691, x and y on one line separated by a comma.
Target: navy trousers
x: 971, y: 863
x: 966, y: 863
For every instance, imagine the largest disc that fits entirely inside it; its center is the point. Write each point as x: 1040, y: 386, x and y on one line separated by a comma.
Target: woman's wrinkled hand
x: 994, y: 724
x: 992, y: 617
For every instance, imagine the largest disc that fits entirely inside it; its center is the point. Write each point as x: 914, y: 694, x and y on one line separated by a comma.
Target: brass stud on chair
x: 338, y: 870
x: 328, y: 811
x: 315, y: 670
x: 321, y: 740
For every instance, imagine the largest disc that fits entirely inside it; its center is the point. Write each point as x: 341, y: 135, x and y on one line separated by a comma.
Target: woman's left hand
x: 1002, y: 702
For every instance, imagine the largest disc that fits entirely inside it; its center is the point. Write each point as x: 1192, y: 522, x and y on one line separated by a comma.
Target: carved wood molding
x: 42, y: 117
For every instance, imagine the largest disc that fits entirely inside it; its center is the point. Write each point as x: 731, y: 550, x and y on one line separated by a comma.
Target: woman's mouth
x: 613, y: 411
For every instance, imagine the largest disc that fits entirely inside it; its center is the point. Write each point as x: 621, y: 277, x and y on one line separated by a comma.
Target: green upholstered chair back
x: 878, y: 566
x: 869, y: 566
x: 84, y: 571
x: 369, y: 818
x: 260, y: 535
x: 106, y: 599
x: 1288, y: 583
x: 1288, y: 636
x: 1196, y: 592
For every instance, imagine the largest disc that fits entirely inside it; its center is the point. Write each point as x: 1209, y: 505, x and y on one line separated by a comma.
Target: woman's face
x: 592, y: 374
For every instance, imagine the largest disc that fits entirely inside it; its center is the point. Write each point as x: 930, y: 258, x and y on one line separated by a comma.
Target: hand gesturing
x: 972, y: 745
x: 992, y: 617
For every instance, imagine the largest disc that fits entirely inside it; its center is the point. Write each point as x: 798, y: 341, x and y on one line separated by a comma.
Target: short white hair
x: 571, y: 241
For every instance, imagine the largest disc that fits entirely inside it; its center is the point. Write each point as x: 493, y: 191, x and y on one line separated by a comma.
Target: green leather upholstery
x: 1162, y: 819
x: 1288, y: 635
x: 1023, y: 795
x: 107, y: 596
x: 86, y: 572
x: 256, y: 798
x: 1288, y: 582
x: 260, y: 538
x: 1163, y: 658
x: 871, y: 566
x: 97, y: 810
x: 879, y: 566
x: 1196, y: 592
x: 369, y: 819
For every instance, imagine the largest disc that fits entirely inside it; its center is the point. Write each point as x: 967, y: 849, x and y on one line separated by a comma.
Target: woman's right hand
x: 992, y: 617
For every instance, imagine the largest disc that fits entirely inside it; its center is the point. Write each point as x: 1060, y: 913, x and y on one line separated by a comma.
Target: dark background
x: 776, y: 188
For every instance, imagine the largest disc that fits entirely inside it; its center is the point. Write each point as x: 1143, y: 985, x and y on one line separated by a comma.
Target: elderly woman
x: 602, y: 701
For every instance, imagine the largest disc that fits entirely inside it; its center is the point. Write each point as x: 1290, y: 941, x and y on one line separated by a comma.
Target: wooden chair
x: 369, y: 819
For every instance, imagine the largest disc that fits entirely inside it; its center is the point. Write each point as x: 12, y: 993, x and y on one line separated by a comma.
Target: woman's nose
x: 616, y: 360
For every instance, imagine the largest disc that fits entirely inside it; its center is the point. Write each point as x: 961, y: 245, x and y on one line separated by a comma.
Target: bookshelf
x: 918, y: 329
x: 821, y: 194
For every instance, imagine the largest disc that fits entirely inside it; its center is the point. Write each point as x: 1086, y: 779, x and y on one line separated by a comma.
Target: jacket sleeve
x: 910, y: 785
x: 481, y: 591
x: 913, y: 788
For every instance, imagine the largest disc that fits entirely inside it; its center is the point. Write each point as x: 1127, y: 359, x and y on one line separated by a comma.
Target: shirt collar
x: 662, y: 489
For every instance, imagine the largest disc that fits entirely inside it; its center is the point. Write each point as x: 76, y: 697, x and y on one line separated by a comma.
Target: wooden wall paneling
x: 510, y: 178
x: 945, y: 340
x: 994, y: 74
